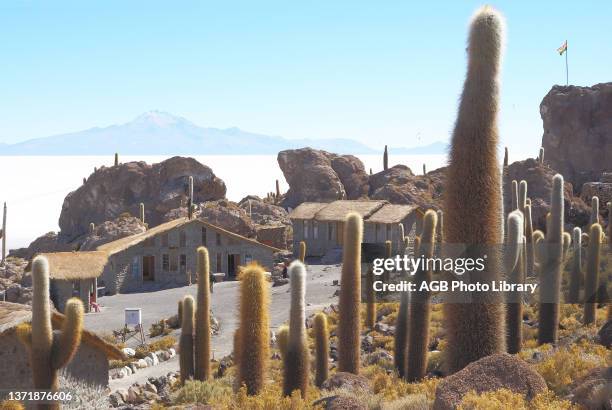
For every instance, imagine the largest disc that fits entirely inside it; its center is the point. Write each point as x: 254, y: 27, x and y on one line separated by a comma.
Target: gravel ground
x: 163, y: 304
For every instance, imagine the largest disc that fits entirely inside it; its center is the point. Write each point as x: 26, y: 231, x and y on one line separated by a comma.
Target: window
x: 305, y: 229
x: 165, y: 262
x: 165, y: 240
x: 330, y: 231
x: 136, y: 266
x: 218, y: 236
x: 182, y: 239
x: 219, y: 268
x: 203, y: 236
x: 315, y: 229
x: 183, y: 263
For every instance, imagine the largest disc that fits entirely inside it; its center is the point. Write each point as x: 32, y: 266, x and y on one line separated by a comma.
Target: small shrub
x: 196, y: 391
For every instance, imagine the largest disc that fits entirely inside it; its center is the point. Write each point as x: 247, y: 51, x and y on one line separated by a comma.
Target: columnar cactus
x: 424, y: 169
x: 116, y: 159
x: 591, y: 280
x: 567, y: 242
x: 202, y: 317
x: 420, y: 309
x: 440, y: 227
x: 49, y: 354
x: 302, y: 255
x: 530, y: 252
x: 576, y: 274
x: 141, y: 210
x: 514, y: 267
x: 594, y: 219
x: 505, y: 157
x: 321, y: 335
x: 370, y: 319
x: 190, y: 204
x: 282, y: 341
x: 401, y: 323
x: 297, y: 362
x: 349, y: 326
x: 277, y: 189
x: 514, y: 196
x: 541, y: 156
x: 386, y: 159
x: 254, y: 329
x: 401, y: 234
x: 92, y: 228
x: 473, y: 204
x: 550, y: 275
x: 522, y: 196
x: 186, y: 339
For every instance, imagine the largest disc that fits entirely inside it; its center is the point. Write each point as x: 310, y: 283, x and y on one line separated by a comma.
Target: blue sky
x: 381, y: 72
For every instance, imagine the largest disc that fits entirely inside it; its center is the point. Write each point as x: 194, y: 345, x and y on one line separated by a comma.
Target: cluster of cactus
x: 473, y: 203
x: 48, y: 352
x: 297, y: 355
x: 194, y: 343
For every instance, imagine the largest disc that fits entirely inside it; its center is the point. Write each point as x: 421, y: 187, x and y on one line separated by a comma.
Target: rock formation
x: 399, y: 185
x: 578, y: 131
x: 320, y: 176
x: 112, y: 191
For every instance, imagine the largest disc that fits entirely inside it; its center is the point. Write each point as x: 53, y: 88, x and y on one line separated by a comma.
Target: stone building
x: 163, y: 256
x: 321, y: 225
x: 89, y: 365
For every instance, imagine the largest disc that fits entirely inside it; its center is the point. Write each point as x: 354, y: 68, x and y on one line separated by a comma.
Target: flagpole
x: 566, y: 70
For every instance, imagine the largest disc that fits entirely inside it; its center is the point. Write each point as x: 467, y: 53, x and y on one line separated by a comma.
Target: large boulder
x: 109, y: 231
x: 399, y: 185
x: 49, y: 242
x: 594, y: 390
x: 489, y: 374
x: 539, y: 187
x: 577, y: 136
x: 112, y: 191
x: 320, y: 176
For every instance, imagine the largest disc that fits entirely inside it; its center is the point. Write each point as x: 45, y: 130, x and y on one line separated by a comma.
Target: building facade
x: 321, y: 225
x: 163, y: 256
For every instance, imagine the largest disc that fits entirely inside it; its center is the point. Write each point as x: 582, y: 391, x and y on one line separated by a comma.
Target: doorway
x: 233, y: 262
x: 148, y: 267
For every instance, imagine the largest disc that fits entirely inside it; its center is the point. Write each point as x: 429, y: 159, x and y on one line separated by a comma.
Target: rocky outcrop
x: 539, y: 187
x: 110, y: 231
x: 489, y: 374
x: 601, y: 189
x: 14, y: 281
x: 49, y: 242
x: 594, y: 390
x: 320, y: 176
x: 399, y: 185
x: 112, y: 191
x: 578, y: 131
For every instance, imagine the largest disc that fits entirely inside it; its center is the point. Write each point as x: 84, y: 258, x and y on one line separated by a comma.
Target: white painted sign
x: 133, y: 316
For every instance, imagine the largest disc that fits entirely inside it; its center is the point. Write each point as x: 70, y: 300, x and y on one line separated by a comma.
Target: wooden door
x: 148, y: 267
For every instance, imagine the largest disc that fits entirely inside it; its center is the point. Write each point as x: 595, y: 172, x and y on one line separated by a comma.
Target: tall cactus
x: 302, y: 255
x: 567, y: 242
x: 505, y: 157
x: 473, y: 202
x: 186, y: 339
x: 190, y: 204
x: 424, y: 169
x: 401, y: 323
x: 141, y: 212
x: 420, y: 309
x: 522, y: 196
x: 591, y: 280
x: 530, y: 252
x: 202, y: 317
x: 541, y: 156
x: 254, y: 329
x: 321, y: 335
x: 514, y: 267
x: 349, y: 326
x: 440, y: 227
x: 401, y: 234
x: 514, y: 196
x: 92, y: 228
x: 550, y: 282
x: 277, y: 190
x: 576, y: 274
x: 116, y: 159
x: 594, y: 218
x: 282, y: 341
x: 370, y: 319
x: 296, y: 369
x: 386, y: 159
x: 47, y: 353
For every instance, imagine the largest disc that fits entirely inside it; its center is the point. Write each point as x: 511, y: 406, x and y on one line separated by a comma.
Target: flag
x: 563, y: 48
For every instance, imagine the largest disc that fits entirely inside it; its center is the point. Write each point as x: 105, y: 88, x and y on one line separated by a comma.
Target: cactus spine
x: 420, y: 309
x: 550, y: 284
x: 47, y: 355
x: 186, y: 339
x: 514, y: 266
x: 296, y: 369
x: 202, y: 317
x: 576, y: 275
x: 386, y: 159
x: 591, y: 279
x: 321, y: 335
x: 473, y: 196
x: 302, y: 255
x: 254, y: 329
x: 349, y: 326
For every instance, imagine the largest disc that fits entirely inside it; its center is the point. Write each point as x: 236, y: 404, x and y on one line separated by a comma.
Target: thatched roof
x: 14, y: 314
x: 307, y: 210
x: 392, y: 213
x: 124, y: 243
x: 76, y: 265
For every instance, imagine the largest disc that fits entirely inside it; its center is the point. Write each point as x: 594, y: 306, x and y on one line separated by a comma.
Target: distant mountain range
x: 160, y: 133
